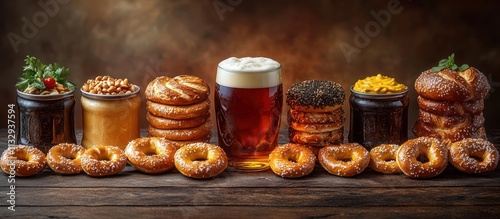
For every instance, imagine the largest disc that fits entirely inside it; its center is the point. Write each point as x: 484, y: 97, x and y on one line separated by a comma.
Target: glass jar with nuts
x: 110, y: 112
x: 105, y: 85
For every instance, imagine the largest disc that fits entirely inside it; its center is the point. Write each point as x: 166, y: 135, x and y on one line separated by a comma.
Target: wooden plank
x: 267, y: 179
x: 259, y: 212
x: 277, y: 197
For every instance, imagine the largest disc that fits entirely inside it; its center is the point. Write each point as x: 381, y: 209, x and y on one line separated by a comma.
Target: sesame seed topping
x: 315, y: 93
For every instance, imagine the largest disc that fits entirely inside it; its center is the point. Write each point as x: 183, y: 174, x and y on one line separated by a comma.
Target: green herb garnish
x: 38, y: 76
x: 449, y: 63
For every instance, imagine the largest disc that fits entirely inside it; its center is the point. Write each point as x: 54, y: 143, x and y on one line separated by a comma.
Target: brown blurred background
x: 141, y: 40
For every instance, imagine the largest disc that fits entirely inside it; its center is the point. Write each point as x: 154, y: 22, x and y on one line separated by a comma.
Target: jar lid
x: 378, y: 96
x: 45, y: 97
x: 111, y: 97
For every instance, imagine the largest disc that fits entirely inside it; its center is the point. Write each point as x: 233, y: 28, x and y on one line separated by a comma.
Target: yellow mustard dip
x: 379, y: 85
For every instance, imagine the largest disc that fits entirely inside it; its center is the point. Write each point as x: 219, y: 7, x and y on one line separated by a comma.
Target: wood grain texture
x: 248, y: 196
x: 233, y: 194
x: 179, y: 212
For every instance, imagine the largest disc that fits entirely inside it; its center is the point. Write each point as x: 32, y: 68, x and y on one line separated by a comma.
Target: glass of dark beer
x: 248, y: 102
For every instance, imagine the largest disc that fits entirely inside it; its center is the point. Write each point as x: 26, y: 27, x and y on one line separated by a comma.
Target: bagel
x: 421, y: 129
x: 292, y: 160
x: 344, y: 160
x: 315, y: 96
x: 22, y: 160
x: 457, y: 122
x: 200, y: 160
x: 317, y: 139
x: 336, y: 116
x: 65, y: 158
x: 409, y: 154
x: 178, y: 112
x: 316, y: 128
x: 190, y: 134
x: 164, y: 123
x: 151, y: 154
x: 103, y: 160
x: 474, y: 156
x: 449, y: 108
x: 383, y: 159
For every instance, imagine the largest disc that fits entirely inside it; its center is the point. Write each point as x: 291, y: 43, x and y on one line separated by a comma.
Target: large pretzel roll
x: 456, y: 122
x: 180, y: 90
x: 444, y: 134
x: 450, y: 108
x: 448, y: 85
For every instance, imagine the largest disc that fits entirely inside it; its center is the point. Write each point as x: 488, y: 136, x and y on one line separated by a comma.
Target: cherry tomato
x: 49, y: 82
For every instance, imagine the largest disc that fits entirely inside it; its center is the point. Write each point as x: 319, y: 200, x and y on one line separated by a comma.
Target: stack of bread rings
x: 316, y: 117
x: 178, y: 109
x: 451, y: 104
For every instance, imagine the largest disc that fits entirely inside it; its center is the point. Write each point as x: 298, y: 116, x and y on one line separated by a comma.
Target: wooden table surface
x: 232, y: 194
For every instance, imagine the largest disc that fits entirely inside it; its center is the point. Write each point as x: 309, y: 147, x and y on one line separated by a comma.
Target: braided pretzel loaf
x: 452, y: 134
x: 180, y: 90
x: 448, y: 85
x: 451, y: 104
x: 450, y: 108
x: 453, y: 128
x: 437, y: 121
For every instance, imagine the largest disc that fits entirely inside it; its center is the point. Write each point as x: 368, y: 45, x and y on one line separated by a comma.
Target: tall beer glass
x: 248, y: 101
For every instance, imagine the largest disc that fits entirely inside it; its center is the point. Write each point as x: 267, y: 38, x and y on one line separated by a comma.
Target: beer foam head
x: 249, y: 72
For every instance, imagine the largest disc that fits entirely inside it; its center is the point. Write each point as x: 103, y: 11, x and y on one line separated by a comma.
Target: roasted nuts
x: 58, y: 89
x: 107, y: 85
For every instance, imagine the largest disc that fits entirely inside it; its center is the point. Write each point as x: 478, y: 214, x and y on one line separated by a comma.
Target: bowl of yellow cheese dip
x: 379, y: 84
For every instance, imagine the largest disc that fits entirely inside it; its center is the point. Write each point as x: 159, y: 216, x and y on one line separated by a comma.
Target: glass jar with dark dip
x: 378, y: 116
x: 46, y: 120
